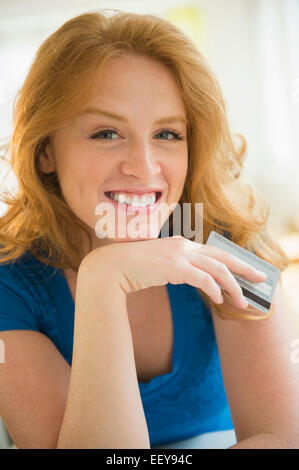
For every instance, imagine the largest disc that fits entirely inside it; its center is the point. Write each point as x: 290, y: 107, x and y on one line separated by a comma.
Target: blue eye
x: 174, y: 134
x: 99, y: 135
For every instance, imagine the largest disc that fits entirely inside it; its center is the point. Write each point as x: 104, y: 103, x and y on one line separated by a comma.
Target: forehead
x: 136, y: 81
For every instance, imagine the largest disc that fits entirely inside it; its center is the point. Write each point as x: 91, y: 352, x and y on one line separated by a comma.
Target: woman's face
x: 97, y: 152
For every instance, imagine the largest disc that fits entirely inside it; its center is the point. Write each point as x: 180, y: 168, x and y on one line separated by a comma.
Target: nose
x: 140, y: 161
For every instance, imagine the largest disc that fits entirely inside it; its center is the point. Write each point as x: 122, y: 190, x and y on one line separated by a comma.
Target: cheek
x: 82, y: 165
x: 178, y: 170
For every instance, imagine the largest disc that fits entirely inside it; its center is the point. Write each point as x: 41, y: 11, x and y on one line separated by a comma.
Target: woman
x: 109, y: 340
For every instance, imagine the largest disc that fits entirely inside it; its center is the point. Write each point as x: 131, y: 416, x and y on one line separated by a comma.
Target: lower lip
x: 133, y: 210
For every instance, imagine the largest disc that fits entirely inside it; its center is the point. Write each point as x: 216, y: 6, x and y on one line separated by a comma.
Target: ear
x: 46, y: 161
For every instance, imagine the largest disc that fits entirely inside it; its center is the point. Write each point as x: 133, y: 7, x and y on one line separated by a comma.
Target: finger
x: 233, y: 263
x: 220, y: 272
x: 203, y: 281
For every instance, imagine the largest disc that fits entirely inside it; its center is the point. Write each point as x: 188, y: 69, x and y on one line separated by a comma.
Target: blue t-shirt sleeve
x: 17, y: 309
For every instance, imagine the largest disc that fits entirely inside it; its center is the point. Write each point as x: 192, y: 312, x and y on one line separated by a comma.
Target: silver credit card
x: 260, y: 294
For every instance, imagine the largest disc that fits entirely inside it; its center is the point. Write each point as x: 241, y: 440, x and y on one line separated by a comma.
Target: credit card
x: 260, y: 294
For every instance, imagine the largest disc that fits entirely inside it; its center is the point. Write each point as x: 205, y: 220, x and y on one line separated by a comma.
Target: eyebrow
x: 103, y: 112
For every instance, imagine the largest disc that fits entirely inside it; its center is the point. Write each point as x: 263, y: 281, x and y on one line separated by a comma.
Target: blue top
x: 188, y: 401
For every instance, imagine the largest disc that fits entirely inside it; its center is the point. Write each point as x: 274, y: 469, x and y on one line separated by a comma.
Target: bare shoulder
x: 256, y: 365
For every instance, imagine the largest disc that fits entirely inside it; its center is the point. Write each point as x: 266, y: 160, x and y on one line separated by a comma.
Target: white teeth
x: 122, y: 198
x: 135, y: 200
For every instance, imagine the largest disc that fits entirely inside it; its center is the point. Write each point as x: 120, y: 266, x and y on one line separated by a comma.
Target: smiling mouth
x: 158, y: 197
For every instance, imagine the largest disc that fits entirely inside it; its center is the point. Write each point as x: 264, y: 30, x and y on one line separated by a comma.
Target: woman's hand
x: 175, y: 260
x: 229, y: 305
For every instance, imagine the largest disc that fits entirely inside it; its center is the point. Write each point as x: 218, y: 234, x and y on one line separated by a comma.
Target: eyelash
x: 175, y: 134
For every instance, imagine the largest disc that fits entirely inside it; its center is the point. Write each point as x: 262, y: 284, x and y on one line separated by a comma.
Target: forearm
x: 263, y: 441
x: 104, y: 408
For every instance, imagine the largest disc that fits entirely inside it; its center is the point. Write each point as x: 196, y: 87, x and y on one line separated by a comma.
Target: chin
x: 150, y: 236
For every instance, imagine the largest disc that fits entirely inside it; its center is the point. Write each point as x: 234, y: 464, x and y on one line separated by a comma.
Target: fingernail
x: 261, y: 273
x: 244, y: 302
